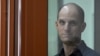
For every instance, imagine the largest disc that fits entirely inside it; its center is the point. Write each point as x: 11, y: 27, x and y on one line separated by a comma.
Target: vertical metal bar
x: 16, y: 27
x: 19, y: 27
x: 0, y: 27
x: 8, y: 28
x: 97, y: 26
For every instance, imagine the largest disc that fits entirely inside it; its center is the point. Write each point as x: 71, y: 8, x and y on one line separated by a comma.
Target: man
x: 70, y: 24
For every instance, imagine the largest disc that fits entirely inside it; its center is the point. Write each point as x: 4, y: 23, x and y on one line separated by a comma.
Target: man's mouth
x: 66, y: 35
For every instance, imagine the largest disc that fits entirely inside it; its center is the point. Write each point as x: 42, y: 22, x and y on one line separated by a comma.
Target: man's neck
x: 69, y: 49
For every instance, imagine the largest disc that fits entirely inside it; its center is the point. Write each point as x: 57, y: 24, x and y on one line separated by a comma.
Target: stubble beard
x: 73, y: 42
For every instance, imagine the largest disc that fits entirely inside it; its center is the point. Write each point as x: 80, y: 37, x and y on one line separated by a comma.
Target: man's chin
x: 71, y: 42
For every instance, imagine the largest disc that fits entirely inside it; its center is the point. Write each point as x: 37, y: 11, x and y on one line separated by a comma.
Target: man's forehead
x: 68, y: 19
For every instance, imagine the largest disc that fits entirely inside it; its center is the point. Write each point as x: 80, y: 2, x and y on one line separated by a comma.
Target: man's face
x: 69, y: 25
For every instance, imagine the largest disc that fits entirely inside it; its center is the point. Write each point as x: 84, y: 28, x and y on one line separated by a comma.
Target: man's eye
x: 73, y: 23
x: 61, y: 22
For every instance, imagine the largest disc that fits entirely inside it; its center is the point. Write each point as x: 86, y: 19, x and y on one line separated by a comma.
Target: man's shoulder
x: 86, y: 51
x: 90, y: 52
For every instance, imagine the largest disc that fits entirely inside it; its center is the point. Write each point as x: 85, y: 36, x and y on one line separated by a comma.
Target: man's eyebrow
x: 61, y: 20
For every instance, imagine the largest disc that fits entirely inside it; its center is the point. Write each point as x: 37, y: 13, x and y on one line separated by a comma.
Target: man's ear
x: 83, y: 27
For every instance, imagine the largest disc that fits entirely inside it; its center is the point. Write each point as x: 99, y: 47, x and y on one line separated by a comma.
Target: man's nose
x: 67, y: 27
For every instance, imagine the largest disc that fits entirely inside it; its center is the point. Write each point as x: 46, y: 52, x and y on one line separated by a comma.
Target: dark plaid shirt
x: 82, y: 50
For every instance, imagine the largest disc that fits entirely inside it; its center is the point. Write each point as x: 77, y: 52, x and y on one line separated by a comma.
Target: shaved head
x: 72, y: 7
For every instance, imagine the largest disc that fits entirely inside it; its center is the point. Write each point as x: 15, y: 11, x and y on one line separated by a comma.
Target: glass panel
x: 87, y: 35
x: 52, y: 33
x: 88, y: 7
